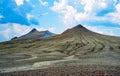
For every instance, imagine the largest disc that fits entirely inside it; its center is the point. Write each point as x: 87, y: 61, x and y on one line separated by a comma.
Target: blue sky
x: 17, y: 17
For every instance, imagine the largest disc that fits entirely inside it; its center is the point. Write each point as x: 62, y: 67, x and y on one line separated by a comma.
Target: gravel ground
x: 89, y: 70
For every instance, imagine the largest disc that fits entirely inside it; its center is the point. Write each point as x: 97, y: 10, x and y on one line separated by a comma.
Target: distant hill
x: 35, y: 34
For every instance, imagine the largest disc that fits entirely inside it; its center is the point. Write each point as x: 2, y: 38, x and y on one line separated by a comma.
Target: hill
x: 75, y: 46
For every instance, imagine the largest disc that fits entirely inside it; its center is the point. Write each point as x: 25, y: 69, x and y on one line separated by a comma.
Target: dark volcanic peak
x: 79, y: 29
x: 14, y: 38
x: 79, y: 26
x: 33, y: 30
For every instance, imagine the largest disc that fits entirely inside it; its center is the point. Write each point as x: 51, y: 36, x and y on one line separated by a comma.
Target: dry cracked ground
x: 74, y: 47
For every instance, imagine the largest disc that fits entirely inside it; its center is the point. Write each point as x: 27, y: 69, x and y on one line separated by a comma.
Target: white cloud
x: 19, y: 2
x: 52, y: 29
x: 113, y: 31
x: 61, y: 5
x: 95, y: 29
x: 29, y: 16
x: 44, y: 3
x: 20, y: 29
x: 41, y: 29
x: 27, y: 0
x: 115, y: 16
x: 118, y: 7
x: 93, y: 6
x: 6, y: 33
x: 69, y: 14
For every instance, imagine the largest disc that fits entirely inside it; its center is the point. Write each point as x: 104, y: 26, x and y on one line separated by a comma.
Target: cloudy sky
x: 17, y: 17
